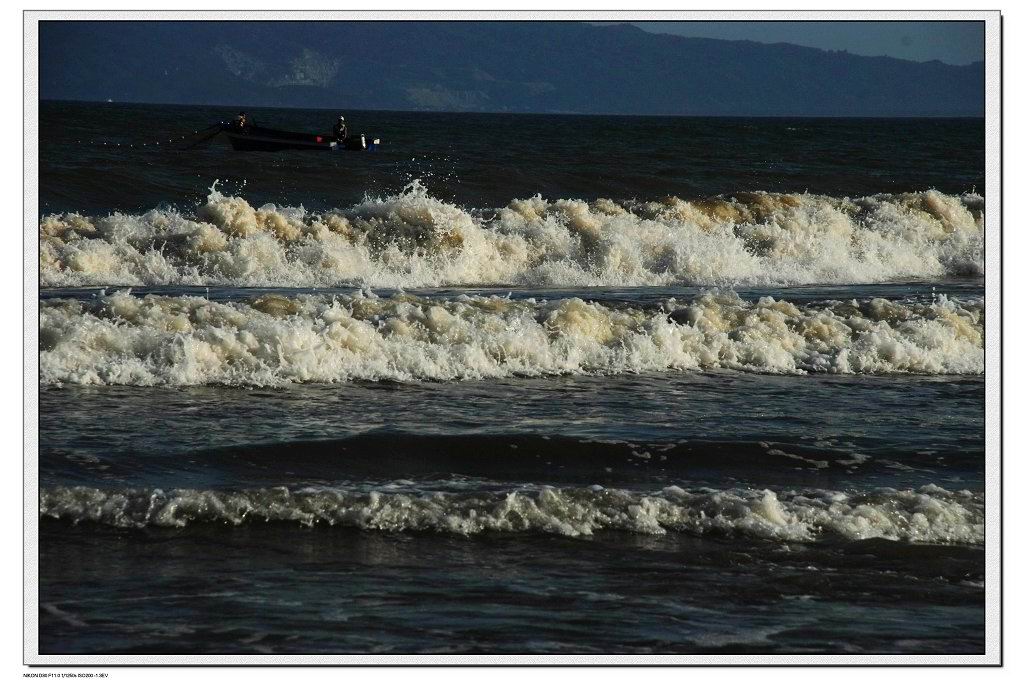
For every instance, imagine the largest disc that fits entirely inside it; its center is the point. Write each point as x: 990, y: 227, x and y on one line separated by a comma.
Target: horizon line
x: 517, y: 113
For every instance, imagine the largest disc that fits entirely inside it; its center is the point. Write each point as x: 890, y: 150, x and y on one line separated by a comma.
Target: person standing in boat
x: 340, y: 129
x: 241, y: 122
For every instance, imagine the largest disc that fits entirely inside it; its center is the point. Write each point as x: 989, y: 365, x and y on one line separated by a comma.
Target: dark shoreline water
x: 248, y: 591
x: 792, y: 462
x: 385, y: 584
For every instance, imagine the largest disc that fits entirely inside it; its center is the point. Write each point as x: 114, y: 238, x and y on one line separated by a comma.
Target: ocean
x: 511, y: 384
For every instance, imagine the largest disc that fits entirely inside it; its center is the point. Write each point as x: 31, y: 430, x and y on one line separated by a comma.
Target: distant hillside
x: 486, y: 66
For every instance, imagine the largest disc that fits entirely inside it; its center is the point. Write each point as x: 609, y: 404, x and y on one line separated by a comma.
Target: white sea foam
x: 122, y: 339
x: 415, y: 240
x: 926, y: 515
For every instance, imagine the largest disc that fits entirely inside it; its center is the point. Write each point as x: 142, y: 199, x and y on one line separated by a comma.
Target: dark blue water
x: 486, y: 160
x: 529, y: 466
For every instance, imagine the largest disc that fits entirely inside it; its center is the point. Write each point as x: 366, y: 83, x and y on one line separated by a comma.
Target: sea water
x: 511, y: 384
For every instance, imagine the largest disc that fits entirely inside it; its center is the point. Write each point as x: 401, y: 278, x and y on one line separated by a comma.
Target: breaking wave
x: 271, y: 340
x: 927, y: 515
x: 414, y: 240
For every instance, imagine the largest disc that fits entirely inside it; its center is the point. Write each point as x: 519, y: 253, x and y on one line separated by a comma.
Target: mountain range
x: 507, y: 66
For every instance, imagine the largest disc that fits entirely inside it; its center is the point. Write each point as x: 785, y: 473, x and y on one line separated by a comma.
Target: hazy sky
x: 957, y: 42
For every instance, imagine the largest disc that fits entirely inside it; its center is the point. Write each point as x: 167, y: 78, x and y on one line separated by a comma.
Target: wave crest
x: 272, y: 340
x: 926, y: 515
x: 415, y: 240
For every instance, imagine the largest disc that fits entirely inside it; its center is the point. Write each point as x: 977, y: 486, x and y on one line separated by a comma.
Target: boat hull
x: 272, y: 140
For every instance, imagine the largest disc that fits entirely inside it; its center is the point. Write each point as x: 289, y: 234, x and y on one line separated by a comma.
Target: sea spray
x: 929, y: 514
x: 270, y: 340
x: 415, y: 240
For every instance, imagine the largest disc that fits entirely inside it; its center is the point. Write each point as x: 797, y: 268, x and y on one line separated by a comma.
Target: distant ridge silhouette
x: 543, y: 67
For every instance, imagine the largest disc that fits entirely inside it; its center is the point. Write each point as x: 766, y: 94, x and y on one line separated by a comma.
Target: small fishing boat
x: 272, y: 140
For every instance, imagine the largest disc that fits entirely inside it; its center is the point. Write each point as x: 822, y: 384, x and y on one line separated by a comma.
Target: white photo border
x: 993, y: 339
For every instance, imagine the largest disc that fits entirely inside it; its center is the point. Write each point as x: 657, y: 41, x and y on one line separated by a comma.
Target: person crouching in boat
x: 340, y: 130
